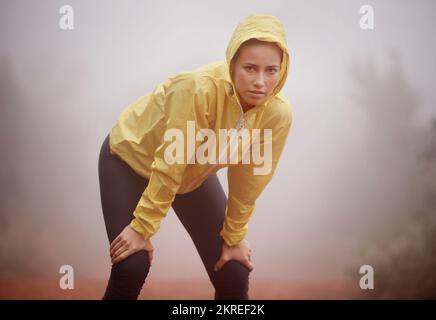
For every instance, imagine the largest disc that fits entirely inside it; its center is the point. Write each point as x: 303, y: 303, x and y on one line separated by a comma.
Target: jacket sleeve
x: 245, y: 186
x: 184, y: 102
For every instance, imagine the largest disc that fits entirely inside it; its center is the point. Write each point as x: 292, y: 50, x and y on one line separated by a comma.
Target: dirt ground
x: 11, y: 289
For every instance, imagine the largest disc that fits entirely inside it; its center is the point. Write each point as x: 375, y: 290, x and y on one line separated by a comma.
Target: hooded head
x: 258, y: 59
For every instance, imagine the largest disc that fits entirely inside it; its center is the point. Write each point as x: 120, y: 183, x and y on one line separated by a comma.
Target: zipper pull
x: 240, y: 124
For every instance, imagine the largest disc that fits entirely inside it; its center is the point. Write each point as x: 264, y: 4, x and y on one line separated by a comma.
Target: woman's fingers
x: 116, y: 240
x: 122, y: 256
x: 150, y: 256
x: 119, y: 252
x: 118, y: 245
x: 246, y: 262
x: 128, y: 242
x: 125, y: 251
x: 249, y: 265
x: 241, y: 253
x: 220, y: 263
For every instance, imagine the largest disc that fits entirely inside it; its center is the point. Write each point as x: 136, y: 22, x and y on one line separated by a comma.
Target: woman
x: 139, y: 183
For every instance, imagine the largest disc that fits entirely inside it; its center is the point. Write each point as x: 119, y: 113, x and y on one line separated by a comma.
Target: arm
x: 245, y: 186
x: 183, y: 102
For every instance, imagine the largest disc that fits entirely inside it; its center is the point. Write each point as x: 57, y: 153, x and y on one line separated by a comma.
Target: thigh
x: 120, y: 190
x: 202, y: 214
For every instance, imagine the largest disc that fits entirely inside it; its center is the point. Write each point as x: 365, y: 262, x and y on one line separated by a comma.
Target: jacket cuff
x: 135, y: 225
x: 232, y: 239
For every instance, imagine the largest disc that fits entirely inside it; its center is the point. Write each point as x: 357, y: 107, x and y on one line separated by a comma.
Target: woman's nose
x: 260, y: 80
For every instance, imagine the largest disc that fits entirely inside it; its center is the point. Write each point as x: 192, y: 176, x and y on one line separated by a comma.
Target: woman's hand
x: 240, y: 252
x: 128, y: 242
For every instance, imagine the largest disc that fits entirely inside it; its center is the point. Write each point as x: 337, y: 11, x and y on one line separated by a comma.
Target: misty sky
x: 344, y: 168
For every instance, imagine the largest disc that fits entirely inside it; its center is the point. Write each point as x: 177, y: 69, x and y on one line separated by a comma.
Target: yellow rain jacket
x: 207, y: 96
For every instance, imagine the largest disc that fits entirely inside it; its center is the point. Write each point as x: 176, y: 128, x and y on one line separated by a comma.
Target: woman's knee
x: 137, y: 265
x: 128, y: 276
x: 231, y: 282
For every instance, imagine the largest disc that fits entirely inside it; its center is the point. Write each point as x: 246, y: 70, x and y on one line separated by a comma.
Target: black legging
x: 200, y: 211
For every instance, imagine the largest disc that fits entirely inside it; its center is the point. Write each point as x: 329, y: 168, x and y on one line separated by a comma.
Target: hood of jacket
x: 264, y: 28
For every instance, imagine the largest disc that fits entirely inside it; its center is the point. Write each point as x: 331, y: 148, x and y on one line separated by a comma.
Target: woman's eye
x: 273, y: 70
x: 248, y: 68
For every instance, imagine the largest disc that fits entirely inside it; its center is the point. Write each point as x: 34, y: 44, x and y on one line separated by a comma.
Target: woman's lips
x: 256, y: 94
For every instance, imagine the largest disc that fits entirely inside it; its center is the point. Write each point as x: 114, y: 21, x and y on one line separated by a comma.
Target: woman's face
x: 255, y: 72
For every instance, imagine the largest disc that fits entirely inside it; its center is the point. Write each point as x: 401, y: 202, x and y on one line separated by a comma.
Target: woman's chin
x: 255, y: 102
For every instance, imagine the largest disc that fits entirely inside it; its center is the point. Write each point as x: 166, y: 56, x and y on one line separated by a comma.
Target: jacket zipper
x: 239, y: 126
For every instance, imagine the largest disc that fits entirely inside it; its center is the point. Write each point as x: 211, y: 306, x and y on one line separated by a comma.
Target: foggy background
x: 356, y: 183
